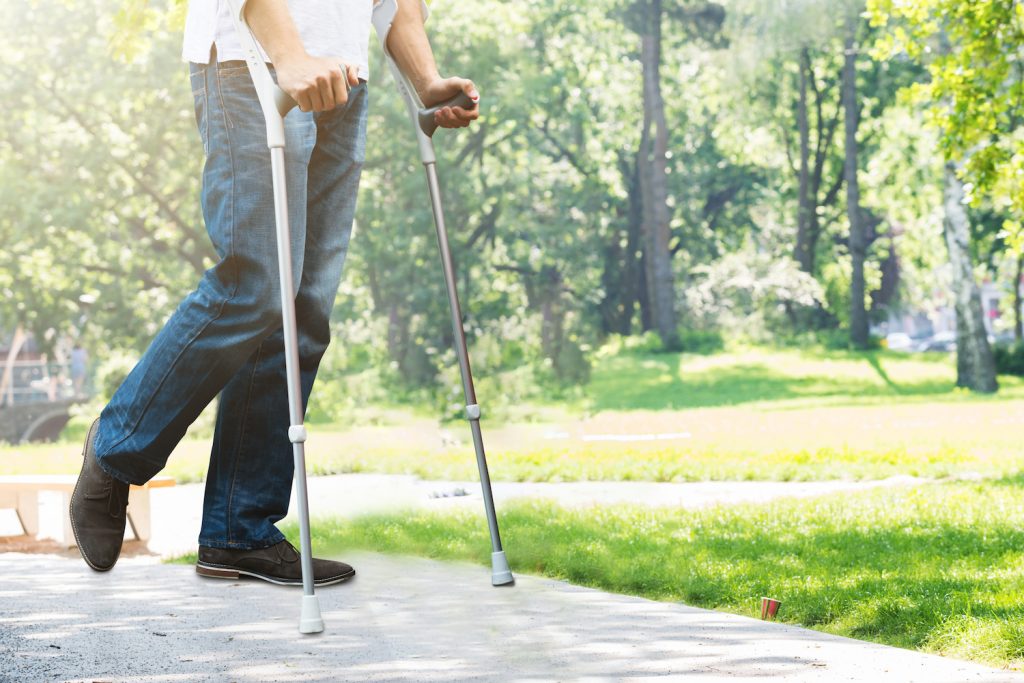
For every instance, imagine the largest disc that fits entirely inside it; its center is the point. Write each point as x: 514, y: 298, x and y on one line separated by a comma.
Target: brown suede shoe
x: 99, y: 507
x: 277, y: 564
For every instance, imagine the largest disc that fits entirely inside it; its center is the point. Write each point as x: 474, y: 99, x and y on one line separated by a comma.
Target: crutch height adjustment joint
x: 297, y: 434
x: 473, y: 411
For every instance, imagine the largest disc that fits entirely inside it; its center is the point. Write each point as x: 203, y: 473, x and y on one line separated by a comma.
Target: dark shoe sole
x: 214, y: 571
x: 74, y: 527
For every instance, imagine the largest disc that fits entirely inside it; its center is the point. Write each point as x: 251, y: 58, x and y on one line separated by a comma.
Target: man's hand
x: 408, y: 45
x: 441, y: 89
x: 316, y: 83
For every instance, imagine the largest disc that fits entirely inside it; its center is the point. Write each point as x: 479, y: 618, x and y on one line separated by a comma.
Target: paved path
x: 403, y: 619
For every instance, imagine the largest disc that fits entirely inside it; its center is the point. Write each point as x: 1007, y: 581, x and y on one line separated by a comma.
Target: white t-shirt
x: 329, y: 28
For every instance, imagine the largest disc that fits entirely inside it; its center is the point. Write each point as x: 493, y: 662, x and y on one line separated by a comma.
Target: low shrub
x: 1009, y: 358
x: 701, y: 341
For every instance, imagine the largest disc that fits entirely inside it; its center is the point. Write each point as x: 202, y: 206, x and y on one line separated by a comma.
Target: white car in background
x: 943, y: 342
x: 899, y: 341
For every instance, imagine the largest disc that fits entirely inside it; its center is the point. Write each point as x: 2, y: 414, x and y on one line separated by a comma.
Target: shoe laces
x: 117, y: 497
x: 282, y: 552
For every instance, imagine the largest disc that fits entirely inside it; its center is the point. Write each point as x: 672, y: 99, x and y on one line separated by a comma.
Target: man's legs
x: 237, y: 303
x: 251, y: 466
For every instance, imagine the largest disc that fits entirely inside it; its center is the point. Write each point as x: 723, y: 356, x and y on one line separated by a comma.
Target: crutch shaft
x: 472, y: 408
x: 275, y: 104
x: 296, y: 429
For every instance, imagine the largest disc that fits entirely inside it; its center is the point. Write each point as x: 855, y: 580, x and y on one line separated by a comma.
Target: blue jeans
x: 225, y: 336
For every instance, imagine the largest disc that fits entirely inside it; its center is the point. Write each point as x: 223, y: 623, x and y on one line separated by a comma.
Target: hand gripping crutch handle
x: 276, y: 103
x: 426, y: 116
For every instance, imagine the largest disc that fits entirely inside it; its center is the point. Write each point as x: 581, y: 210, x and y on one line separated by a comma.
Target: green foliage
x: 839, y: 340
x: 835, y: 279
x: 751, y: 295
x: 834, y: 340
x: 112, y: 372
x: 102, y: 232
x: 1009, y: 358
x: 974, y: 94
x: 615, y: 344
x: 703, y: 342
x: 99, y: 171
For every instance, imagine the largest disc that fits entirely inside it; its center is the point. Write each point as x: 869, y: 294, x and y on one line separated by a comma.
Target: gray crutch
x: 275, y: 104
x: 423, y: 121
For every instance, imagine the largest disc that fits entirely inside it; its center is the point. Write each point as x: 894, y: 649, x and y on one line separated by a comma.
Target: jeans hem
x: 117, y: 474
x: 241, y: 545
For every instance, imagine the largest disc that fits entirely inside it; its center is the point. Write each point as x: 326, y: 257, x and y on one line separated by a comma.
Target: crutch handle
x: 274, y: 101
x: 426, y: 116
x: 283, y: 100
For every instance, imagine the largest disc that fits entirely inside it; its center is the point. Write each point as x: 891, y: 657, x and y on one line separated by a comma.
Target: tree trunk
x: 1018, y: 323
x: 654, y: 183
x: 858, y: 240
x: 552, y: 329
x: 398, y: 335
x: 805, y: 207
x: 975, y: 368
x: 643, y: 300
x: 610, y: 307
x: 632, y: 271
x: 622, y: 276
x: 7, y: 379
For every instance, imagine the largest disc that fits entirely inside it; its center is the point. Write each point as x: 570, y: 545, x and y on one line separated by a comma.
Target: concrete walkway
x: 403, y: 619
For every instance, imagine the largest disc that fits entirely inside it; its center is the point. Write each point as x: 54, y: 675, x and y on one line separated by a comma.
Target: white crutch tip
x: 310, y: 621
x: 501, y: 575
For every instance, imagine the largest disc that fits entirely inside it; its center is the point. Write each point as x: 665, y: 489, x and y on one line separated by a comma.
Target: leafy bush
x: 571, y: 366
x: 839, y: 340
x: 648, y: 342
x: 751, y: 295
x: 701, y: 341
x: 340, y: 398
x: 1009, y: 359
x: 690, y: 340
x: 836, y: 278
x: 112, y: 373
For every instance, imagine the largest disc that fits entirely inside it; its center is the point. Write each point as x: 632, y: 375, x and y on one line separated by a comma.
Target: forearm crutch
x: 423, y: 121
x: 275, y: 104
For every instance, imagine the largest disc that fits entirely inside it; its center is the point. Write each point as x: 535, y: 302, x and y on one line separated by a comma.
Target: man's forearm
x: 315, y: 83
x: 408, y: 44
x: 272, y: 24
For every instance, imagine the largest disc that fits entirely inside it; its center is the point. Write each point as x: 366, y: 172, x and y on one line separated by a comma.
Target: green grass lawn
x: 751, y: 414
x: 632, y: 381
x: 939, y: 568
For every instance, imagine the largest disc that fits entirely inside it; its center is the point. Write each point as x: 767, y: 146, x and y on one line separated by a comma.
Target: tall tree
x: 975, y: 368
x: 974, y: 98
x: 858, y: 236
x: 653, y: 166
x: 816, y: 144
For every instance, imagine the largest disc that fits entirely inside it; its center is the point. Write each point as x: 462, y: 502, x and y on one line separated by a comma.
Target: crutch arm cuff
x: 384, y: 12
x: 240, y: 6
